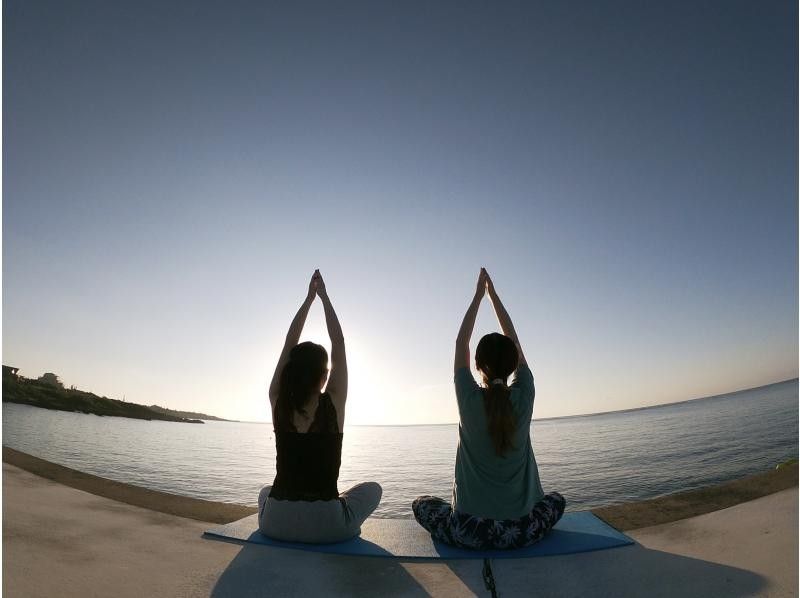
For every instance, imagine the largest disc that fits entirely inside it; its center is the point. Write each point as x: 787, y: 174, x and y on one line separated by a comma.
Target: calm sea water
x: 592, y: 460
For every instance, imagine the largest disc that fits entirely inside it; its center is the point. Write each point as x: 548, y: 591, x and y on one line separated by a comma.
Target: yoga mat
x: 405, y: 538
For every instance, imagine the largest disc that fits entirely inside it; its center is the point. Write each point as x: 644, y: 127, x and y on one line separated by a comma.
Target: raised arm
x: 468, y: 324
x: 503, y: 318
x: 292, y: 338
x: 337, y: 382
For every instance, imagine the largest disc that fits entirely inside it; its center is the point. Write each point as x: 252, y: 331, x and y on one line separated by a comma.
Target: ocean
x: 592, y: 460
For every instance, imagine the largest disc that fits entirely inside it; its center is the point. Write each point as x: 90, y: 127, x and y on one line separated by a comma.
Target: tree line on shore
x: 49, y: 393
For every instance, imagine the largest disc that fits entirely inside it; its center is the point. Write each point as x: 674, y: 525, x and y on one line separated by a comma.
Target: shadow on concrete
x: 357, y: 546
x: 260, y: 570
x: 627, y: 571
x: 619, y: 572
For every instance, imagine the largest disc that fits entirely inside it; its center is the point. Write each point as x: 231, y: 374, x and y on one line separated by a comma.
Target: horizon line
x: 722, y: 394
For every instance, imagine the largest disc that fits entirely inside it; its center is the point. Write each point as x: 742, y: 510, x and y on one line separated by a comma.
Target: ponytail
x: 500, y: 417
x: 497, y: 357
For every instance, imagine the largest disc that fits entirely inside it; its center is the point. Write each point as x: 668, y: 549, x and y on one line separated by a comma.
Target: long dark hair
x: 308, y: 363
x: 497, y: 357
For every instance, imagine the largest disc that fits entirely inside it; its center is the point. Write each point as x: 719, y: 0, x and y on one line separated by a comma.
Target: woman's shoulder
x: 464, y: 380
x: 327, y: 409
x: 523, y: 379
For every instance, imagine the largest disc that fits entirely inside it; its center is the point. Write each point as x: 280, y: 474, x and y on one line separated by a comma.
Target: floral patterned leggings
x: 479, y: 533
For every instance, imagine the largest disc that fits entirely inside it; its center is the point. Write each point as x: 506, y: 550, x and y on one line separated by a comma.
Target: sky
x: 173, y: 173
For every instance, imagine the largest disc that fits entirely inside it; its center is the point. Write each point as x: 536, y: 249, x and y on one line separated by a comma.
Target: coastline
x: 691, y: 503
x: 53, y: 396
x: 624, y: 517
x: 161, y: 502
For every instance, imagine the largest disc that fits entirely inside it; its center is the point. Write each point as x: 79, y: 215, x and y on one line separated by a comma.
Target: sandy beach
x: 62, y: 540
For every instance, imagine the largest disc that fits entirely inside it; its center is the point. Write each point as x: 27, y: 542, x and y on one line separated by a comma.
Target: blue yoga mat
x: 404, y: 538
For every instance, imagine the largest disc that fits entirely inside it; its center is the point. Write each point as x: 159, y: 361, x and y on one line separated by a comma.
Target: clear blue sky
x: 173, y: 172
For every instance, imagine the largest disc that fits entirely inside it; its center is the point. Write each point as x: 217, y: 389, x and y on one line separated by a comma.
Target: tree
x: 50, y: 379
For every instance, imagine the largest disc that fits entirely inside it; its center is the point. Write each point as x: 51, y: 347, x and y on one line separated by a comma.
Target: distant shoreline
x: 626, y: 516
x: 50, y: 394
x: 659, y: 405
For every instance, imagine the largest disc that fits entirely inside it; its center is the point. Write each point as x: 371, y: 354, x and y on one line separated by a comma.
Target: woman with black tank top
x: 303, y: 504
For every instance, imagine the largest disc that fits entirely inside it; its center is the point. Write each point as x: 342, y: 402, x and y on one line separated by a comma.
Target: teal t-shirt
x: 487, y: 485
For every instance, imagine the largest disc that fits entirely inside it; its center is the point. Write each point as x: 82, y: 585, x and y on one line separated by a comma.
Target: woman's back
x: 303, y: 504
x: 486, y: 484
x: 498, y: 500
x: 307, y: 463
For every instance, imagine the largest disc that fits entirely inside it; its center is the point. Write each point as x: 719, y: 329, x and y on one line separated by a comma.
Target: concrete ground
x: 62, y: 541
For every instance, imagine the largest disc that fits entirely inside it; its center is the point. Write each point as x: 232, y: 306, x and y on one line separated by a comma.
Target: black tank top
x: 307, y: 463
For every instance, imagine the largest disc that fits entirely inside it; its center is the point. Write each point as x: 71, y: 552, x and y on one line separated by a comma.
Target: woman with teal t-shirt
x: 498, y: 500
